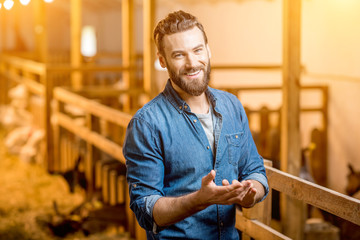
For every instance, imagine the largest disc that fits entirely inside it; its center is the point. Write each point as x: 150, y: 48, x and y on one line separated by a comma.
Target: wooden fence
x: 252, y: 222
x: 90, y: 130
x: 40, y: 80
x: 255, y: 222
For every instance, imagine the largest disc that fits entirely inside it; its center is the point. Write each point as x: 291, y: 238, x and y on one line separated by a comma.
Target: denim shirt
x: 167, y: 154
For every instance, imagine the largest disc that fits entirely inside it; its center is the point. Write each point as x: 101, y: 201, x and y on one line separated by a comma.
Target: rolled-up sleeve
x: 145, y: 171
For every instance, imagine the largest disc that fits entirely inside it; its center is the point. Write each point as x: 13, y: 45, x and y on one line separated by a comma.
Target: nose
x: 190, y: 61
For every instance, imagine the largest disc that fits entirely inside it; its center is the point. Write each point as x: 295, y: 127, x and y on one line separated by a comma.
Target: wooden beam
x: 3, y: 30
x: 48, y: 86
x: 75, y: 25
x: 93, y: 107
x: 331, y: 201
x: 149, y: 47
x: 290, y: 150
x: 128, y: 52
x: 256, y: 229
x: 40, y: 29
x: 91, y: 137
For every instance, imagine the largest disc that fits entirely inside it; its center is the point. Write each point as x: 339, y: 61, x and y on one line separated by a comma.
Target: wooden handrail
x: 86, y: 68
x: 93, y: 107
x: 25, y: 64
x: 257, y: 229
x: 94, y: 138
x: 326, y: 199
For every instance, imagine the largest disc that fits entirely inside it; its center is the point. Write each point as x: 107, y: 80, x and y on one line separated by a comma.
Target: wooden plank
x: 86, y: 68
x: 33, y: 86
x: 128, y: 51
x: 244, y: 67
x: 113, y: 188
x: 290, y: 145
x: 102, y: 92
x: 121, y: 188
x: 25, y: 64
x: 40, y: 28
x: 256, y: 229
x: 75, y: 29
x: 331, y: 201
x: 149, y: 48
x: 95, y: 108
x: 95, y: 139
x: 48, y: 85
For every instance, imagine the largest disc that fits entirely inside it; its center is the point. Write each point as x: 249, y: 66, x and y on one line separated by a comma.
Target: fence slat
x: 331, y: 201
x: 256, y: 229
x: 94, y: 138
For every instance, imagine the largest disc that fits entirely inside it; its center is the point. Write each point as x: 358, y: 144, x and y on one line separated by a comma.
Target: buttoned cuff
x: 261, y: 179
x: 149, y: 205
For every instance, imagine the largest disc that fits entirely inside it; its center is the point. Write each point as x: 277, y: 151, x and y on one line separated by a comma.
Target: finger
x: 247, y: 183
x: 225, y: 182
x: 209, y: 178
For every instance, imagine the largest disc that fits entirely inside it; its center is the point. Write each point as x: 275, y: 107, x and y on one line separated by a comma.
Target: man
x: 185, y: 146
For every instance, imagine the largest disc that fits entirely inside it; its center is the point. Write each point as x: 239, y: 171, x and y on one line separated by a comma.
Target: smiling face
x: 187, y: 58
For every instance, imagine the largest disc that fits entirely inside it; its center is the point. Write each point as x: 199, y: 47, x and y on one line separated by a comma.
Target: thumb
x: 209, y: 178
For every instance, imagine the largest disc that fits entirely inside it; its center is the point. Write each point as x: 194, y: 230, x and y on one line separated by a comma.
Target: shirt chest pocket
x: 236, y: 147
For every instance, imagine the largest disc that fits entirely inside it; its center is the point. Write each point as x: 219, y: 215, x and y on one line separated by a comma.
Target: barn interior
x: 73, y: 72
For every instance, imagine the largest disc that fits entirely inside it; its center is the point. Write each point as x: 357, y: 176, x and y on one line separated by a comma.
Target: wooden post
x: 261, y: 211
x: 149, y: 47
x: 76, y: 59
x: 128, y: 51
x: 40, y: 30
x: 47, y: 81
x: 3, y: 30
x: 92, y: 154
x: 291, y: 210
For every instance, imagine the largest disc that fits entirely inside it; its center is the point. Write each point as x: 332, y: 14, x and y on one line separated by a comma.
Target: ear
x: 161, y: 60
x: 208, y: 49
x: 352, y: 171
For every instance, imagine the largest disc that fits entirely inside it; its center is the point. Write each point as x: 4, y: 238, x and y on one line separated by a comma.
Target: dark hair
x: 175, y: 22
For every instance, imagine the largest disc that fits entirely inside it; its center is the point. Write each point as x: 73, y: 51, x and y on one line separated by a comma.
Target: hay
x: 27, y: 193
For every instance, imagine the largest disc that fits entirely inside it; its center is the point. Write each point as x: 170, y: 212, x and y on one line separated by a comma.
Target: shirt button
x: 185, y: 107
x: 221, y: 224
x: 180, y: 107
x: 208, y: 147
x: 195, y: 120
x: 236, y: 136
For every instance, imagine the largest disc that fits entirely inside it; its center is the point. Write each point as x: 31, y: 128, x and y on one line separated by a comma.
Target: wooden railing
x: 252, y: 222
x: 255, y: 222
x: 40, y: 80
x: 97, y: 141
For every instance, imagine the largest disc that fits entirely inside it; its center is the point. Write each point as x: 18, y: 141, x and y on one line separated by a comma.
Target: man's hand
x: 242, y: 193
x: 169, y: 210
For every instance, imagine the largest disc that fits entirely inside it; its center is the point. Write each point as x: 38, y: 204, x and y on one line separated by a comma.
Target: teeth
x: 192, y: 74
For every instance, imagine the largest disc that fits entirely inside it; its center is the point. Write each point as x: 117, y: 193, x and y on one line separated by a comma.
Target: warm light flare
x: 88, y: 41
x: 48, y: 1
x: 8, y: 4
x: 24, y: 2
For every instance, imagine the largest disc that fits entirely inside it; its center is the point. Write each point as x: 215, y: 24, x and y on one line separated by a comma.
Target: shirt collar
x: 178, y: 103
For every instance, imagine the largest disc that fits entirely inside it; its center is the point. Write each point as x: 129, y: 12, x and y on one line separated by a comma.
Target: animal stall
x: 109, y: 180
x: 95, y: 134
x: 39, y: 79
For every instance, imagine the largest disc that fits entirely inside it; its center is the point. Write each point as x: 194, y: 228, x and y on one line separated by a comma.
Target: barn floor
x: 27, y: 193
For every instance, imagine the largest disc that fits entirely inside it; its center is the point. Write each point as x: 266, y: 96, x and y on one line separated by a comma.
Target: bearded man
x: 190, y: 156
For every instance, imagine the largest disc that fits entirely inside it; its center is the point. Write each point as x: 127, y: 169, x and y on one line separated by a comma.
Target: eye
x: 198, y: 50
x: 178, y: 55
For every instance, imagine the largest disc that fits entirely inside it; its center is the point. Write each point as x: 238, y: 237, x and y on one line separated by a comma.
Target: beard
x: 194, y: 87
